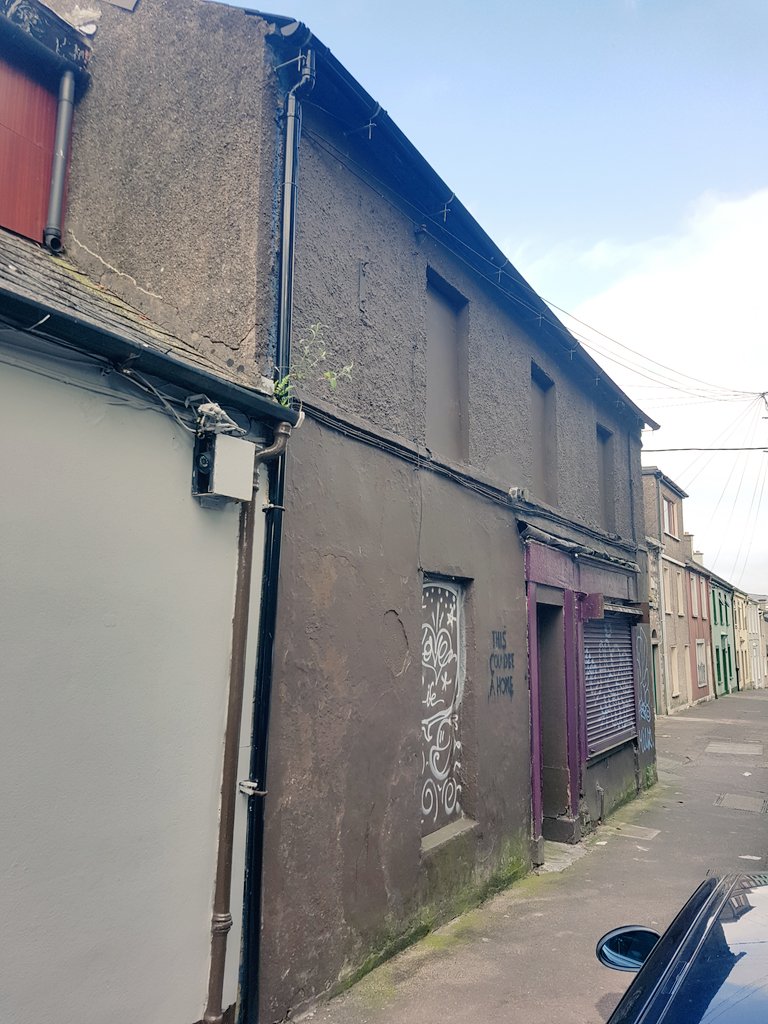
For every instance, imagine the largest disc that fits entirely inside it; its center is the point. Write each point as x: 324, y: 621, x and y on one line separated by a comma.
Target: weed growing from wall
x: 309, y: 365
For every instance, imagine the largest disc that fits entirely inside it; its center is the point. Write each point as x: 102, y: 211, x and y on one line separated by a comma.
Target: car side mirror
x: 627, y: 948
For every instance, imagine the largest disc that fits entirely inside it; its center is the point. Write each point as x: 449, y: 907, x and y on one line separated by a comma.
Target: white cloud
x: 694, y: 300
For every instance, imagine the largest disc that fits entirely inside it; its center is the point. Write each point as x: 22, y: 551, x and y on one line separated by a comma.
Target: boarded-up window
x: 608, y: 682
x: 442, y: 688
x: 27, y: 129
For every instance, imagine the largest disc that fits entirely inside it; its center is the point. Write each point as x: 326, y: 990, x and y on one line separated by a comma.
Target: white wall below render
x: 116, y: 600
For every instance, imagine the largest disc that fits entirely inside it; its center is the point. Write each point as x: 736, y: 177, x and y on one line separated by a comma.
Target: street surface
x: 527, y: 956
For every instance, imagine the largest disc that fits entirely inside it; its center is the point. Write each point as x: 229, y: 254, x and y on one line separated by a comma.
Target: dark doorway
x: 655, y: 664
x: 555, y: 777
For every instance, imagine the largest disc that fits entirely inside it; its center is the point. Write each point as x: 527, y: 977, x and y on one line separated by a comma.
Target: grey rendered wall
x: 344, y: 869
x: 172, y: 191
x: 382, y: 328
x: 115, y: 626
x: 343, y: 829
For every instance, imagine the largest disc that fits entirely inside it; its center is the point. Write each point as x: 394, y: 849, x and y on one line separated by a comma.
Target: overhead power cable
x: 727, y: 434
x: 363, y: 174
x: 656, y: 451
x: 755, y: 519
x: 615, y: 341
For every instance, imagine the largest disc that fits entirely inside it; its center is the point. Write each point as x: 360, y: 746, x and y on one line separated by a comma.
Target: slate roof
x: 48, y: 293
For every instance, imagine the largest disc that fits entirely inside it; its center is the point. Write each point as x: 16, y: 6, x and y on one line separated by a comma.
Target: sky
x: 617, y: 152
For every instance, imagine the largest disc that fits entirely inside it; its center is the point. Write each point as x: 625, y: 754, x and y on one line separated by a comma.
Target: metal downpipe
x: 272, y: 551
x: 221, y: 920
x: 52, y: 230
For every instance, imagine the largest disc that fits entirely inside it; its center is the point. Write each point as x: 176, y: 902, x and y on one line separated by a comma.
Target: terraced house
x: 677, y: 587
x: 723, y: 642
x: 433, y: 606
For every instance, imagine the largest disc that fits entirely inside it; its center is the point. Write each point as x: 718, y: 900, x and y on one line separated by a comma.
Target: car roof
x: 711, y: 965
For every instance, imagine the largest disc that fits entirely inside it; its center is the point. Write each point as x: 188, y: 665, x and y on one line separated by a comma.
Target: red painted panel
x: 27, y: 130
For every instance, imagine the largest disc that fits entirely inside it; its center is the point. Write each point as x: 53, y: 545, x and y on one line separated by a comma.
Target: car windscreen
x: 728, y: 979
x: 649, y: 979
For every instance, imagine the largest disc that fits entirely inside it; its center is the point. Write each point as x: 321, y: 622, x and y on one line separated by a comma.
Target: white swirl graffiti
x: 442, y: 688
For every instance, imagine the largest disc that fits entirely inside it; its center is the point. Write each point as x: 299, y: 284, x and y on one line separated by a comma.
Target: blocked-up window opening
x: 442, y: 689
x: 543, y: 435
x: 447, y: 383
x: 605, y: 478
x: 27, y: 132
x: 609, y: 682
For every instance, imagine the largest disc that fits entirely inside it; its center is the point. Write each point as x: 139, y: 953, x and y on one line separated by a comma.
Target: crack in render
x: 114, y: 270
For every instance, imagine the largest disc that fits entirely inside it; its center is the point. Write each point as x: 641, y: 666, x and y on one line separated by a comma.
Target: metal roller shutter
x: 608, y: 682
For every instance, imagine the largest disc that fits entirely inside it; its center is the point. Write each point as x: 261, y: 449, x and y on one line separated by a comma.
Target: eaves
x: 423, y: 190
x: 664, y: 480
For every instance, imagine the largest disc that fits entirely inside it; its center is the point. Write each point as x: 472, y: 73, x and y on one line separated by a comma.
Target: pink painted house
x: 699, y: 633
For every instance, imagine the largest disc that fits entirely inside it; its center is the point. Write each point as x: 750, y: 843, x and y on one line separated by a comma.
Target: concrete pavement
x: 528, y: 954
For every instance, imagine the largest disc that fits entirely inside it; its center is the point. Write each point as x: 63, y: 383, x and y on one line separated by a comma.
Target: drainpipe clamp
x: 248, y: 788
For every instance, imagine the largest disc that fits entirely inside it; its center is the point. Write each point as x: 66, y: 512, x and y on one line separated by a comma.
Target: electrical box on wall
x: 222, y: 468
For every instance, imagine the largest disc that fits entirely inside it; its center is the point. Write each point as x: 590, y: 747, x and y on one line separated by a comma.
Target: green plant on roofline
x: 308, y: 366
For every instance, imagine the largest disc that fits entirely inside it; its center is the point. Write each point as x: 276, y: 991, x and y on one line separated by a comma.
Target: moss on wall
x: 453, y: 887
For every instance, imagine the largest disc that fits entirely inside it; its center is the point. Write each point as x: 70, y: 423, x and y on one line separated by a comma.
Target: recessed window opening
x: 675, y: 671
x: 670, y: 517
x: 605, y: 478
x: 543, y: 436
x: 447, y: 375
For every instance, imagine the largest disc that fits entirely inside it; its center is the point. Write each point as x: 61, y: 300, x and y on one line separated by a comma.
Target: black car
x: 711, y: 964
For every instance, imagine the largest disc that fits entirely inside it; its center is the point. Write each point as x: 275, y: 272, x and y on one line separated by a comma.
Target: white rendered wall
x: 116, y: 599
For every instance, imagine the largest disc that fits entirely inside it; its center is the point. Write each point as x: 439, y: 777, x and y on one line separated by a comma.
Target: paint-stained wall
x: 343, y: 815
x: 115, y: 627
x: 344, y: 822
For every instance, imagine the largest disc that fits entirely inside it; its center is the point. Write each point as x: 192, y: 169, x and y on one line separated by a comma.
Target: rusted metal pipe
x: 221, y: 920
x: 279, y: 443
